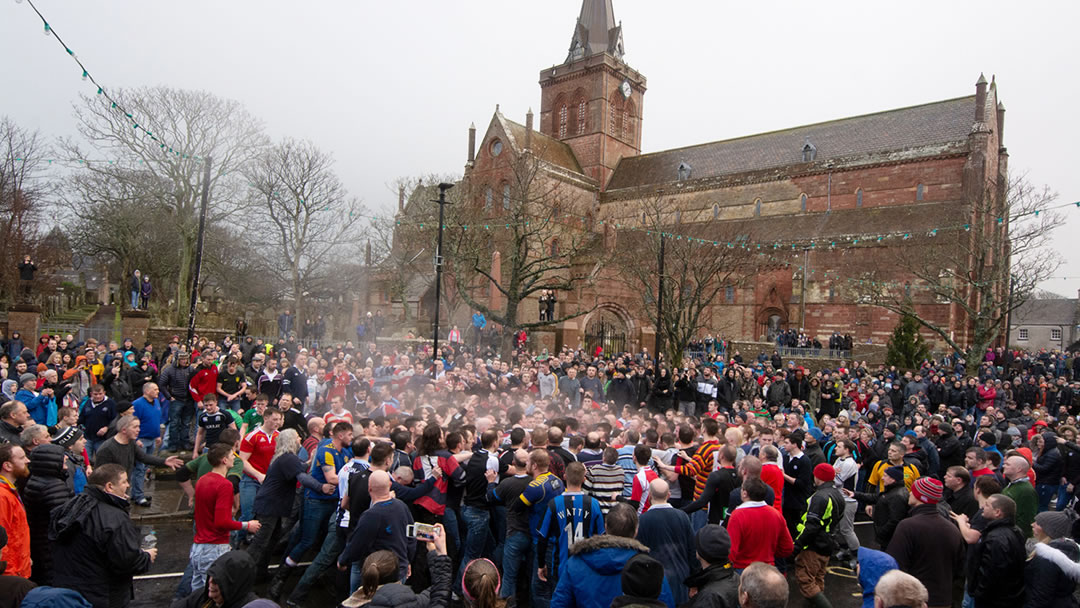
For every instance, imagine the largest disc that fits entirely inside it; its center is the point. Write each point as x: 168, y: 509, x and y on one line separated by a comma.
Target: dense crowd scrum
x: 559, y: 480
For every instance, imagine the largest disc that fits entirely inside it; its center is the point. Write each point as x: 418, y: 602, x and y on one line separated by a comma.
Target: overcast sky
x: 391, y: 87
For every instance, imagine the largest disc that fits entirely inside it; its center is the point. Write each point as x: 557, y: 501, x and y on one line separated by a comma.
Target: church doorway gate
x: 605, y: 331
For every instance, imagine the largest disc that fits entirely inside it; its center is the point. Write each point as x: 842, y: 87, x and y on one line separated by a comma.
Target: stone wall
x: 873, y: 354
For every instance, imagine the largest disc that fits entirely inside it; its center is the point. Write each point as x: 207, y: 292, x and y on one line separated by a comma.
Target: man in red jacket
x: 204, y: 380
x: 758, y: 531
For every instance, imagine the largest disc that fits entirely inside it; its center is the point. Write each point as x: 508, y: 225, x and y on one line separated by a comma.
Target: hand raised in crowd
x: 174, y: 462
x: 438, y: 544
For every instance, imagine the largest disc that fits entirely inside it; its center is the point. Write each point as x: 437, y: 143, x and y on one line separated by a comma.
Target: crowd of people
x: 564, y: 480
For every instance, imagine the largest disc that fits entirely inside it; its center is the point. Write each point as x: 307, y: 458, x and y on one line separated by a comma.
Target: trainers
x: 143, y: 502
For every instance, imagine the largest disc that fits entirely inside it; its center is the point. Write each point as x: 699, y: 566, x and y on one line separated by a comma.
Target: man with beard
x: 13, y: 467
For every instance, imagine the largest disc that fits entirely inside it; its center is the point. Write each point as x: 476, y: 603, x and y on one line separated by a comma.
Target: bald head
x: 379, y: 486
x: 659, y: 491
x: 1015, y: 467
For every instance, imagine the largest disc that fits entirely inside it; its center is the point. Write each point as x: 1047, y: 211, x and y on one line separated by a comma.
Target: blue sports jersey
x: 327, y: 456
x: 570, y: 517
x: 536, y: 496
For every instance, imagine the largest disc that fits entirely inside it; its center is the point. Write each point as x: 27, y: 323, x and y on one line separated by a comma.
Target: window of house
x: 488, y: 198
x: 729, y: 294
x: 1022, y: 334
x: 1055, y: 335
x: 809, y: 151
x: 581, y: 117
x: 832, y: 292
x: 858, y: 198
x: 802, y: 201
x: 564, y: 114
x: 919, y: 192
x: 506, y: 196
x: 757, y: 207
x: 684, y: 171
x: 715, y: 211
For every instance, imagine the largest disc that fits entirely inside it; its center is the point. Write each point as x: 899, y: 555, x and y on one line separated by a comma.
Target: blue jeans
x: 1063, y: 497
x: 1046, y: 493
x: 134, y: 299
x: 312, y: 525
x: 698, y: 519
x: 138, y: 476
x: 248, y: 489
x: 541, y: 590
x: 517, y: 551
x: 181, y: 413
x: 201, y: 556
x: 92, y: 446
x: 453, y: 532
x: 331, y: 548
x: 478, y: 533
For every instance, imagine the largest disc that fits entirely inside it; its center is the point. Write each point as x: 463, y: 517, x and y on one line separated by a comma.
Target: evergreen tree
x: 907, y: 349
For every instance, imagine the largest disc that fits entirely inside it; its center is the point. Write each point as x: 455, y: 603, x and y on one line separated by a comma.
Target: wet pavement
x: 173, y: 527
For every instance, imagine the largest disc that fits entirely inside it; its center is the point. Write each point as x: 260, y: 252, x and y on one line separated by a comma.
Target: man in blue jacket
x: 36, y: 403
x: 593, y: 572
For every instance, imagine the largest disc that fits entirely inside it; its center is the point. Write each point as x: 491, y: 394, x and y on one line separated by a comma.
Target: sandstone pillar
x: 25, y: 319
x: 135, y: 324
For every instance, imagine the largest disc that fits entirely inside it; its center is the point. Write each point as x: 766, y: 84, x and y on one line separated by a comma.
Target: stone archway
x: 609, y: 327
x: 771, y: 321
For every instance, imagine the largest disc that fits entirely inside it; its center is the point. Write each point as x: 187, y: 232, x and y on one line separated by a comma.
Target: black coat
x: 1051, y: 574
x: 949, y: 452
x: 234, y: 574
x: 49, y: 486
x: 397, y: 595
x: 996, y: 568
x: 96, y: 548
x: 890, y: 508
x: 929, y: 547
x: 717, y: 587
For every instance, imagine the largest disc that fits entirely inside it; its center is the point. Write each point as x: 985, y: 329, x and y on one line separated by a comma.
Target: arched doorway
x: 606, y: 330
x: 771, y: 322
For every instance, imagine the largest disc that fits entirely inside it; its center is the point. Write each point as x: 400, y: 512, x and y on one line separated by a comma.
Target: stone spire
x: 596, y: 32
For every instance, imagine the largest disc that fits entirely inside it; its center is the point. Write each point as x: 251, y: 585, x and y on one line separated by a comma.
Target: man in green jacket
x: 1019, y: 489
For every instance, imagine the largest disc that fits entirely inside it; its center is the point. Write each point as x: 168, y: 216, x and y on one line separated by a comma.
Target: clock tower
x: 593, y: 100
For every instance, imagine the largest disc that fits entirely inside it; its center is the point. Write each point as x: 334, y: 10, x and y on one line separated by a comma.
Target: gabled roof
x: 1056, y: 311
x: 940, y: 122
x: 547, y: 148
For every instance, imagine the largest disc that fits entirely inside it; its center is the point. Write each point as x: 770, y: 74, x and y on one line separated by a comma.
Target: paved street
x: 156, y: 588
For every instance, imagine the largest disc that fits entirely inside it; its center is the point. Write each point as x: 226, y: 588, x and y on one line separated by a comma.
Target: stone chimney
x: 980, y: 99
x: 1001, y: 124
x: 472, y: 142
x: 528, y: 129
x: 401, y: 199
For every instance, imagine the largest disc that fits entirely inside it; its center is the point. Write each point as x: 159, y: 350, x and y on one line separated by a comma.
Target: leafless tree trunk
x: 192, y: 124
x: 22, y: 190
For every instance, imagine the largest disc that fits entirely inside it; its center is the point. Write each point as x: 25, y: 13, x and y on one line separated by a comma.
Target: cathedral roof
x: 547, y: 148
x: 930, y: 124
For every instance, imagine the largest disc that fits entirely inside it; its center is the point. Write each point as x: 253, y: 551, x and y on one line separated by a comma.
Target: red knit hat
x: 825, y: 472
x: 927, y: 490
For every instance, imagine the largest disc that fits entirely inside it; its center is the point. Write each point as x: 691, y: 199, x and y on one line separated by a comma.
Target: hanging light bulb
x: 18, y: 1
x: 85, y: 75
x: 48, y: 30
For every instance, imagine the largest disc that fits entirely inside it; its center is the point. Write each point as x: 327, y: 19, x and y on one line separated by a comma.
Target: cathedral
x: 813, y: 200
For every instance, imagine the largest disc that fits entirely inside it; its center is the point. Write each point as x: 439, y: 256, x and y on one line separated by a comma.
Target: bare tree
x: 702, y: 259
x: 22, y: 190
x: 187, y: 126
x: 984, y: 269
x: 301, y: 201
x: 538, y: 226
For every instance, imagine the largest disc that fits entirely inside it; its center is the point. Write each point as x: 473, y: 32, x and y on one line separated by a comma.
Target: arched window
x: 616, y: 119
x: 628, y: 122
x: 858, y: 197
x: 678, y: 216
x: 715, y: 211
x: 488, y: 198
x: 554, y: 248
x: 564, y: 114
x: 581, y: 117
x: 643, y: 218
x: 919, y: 192
x: 506, y: 196
x: 802, y: 200
x: 757, y: 207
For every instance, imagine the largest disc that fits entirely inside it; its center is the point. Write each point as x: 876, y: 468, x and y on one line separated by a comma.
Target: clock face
x: 625, y: 89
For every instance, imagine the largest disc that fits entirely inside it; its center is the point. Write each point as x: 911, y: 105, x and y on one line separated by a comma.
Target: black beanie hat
x: 643, y: 577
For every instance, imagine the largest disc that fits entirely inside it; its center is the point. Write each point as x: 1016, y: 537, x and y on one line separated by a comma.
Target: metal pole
x: 198, y: 253
x: 438, y: 273
x: 802, y: 298
x: 660, y: 303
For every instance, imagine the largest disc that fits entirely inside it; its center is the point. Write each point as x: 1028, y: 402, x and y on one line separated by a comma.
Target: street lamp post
x: 442, y: 202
